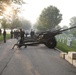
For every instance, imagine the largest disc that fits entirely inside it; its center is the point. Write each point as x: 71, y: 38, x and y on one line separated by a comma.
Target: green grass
x: 7, y: 37
x: 63, y: 46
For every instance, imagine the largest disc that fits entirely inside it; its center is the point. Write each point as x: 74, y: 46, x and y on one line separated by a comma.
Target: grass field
x: 65, y: 48
x: 7, y: 37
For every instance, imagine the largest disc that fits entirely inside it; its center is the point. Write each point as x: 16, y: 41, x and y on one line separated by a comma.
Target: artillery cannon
x: 47, y: 38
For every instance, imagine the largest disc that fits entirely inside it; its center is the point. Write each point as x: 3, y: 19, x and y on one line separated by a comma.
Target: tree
x: 26, y: 25
x: 9, y: 9
x: 5, y: 3
x: 57, y: 27
x: 73, y: 23
x: 4, y: 24
x: 66, y: 27
x: 16, y: 23
x: 49, y: 18
x: 20, y: 23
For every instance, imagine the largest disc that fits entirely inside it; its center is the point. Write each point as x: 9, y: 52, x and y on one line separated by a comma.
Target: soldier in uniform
x: 22, y: 34
x: 0, y: 31
x: 11, y: 34
x: 4, y: 35
x: 21, y: 43
x: 32, y: 33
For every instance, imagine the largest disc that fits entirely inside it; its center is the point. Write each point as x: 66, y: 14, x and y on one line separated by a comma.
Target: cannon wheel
x: 51, y: 43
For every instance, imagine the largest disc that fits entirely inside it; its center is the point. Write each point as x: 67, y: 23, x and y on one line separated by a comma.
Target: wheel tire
x: 51, y: 43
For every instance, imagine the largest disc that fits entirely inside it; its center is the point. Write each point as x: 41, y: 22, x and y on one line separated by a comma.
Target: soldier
x: 22, y: 34
x: 21, y: 43
x: 4, y: 35
x: 32, y: 33
x: 11, y: 34
x: 26, y: 33
x: 0, y: 31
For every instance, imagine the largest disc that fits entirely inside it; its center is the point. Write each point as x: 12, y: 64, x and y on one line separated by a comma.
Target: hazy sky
x: 33, y: 9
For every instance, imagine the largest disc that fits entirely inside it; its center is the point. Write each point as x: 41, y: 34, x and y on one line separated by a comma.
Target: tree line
x: 49, y: 18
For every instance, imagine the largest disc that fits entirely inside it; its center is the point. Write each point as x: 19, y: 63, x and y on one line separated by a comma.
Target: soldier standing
x: 4, y: 35
x: 21, y: 43
x: 32, y: 33
x: 11, y: 34
x: 0, y: 31
x: 22, y: 34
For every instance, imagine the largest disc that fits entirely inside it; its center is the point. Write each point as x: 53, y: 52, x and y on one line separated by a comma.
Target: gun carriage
x: 47, y: 38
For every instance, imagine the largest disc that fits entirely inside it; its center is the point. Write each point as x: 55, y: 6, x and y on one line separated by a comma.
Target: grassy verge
x: 65, y: 48
x: 7, y: 37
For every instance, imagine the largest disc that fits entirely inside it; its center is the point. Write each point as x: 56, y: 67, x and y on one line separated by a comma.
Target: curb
x: 58, y: 50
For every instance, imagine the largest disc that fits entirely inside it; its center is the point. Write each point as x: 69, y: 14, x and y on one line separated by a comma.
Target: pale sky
x: 33, y: 9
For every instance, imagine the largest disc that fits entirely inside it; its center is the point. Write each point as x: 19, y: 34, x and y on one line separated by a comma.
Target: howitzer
x: 47, y: 38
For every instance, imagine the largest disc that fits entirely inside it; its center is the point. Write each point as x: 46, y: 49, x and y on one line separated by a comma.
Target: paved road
x: 34, y: 60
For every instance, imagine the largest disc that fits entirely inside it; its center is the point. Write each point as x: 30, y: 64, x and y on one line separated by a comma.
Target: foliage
x: 49, y: 18
x: 73, y: 23
x: 13, y: 1
x: 4, y: 24
x: 16, y: 23
x: 58, y: 27
x: 4, y: 3
x: 9, y: 9
x: 26, y: 25
x: 65, y: 27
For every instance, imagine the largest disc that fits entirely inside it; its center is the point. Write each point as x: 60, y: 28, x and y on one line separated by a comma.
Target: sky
x: 33, y: 8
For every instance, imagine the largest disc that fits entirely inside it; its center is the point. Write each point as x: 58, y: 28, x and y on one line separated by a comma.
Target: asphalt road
x: 34, y: 60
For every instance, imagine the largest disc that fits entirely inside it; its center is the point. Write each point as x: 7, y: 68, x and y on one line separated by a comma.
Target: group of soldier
x: 16, y: 33
x: 22, y: 33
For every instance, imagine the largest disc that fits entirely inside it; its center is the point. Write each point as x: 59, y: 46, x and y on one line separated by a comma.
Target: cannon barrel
x: 68, y: 28
x: 56, y: 32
